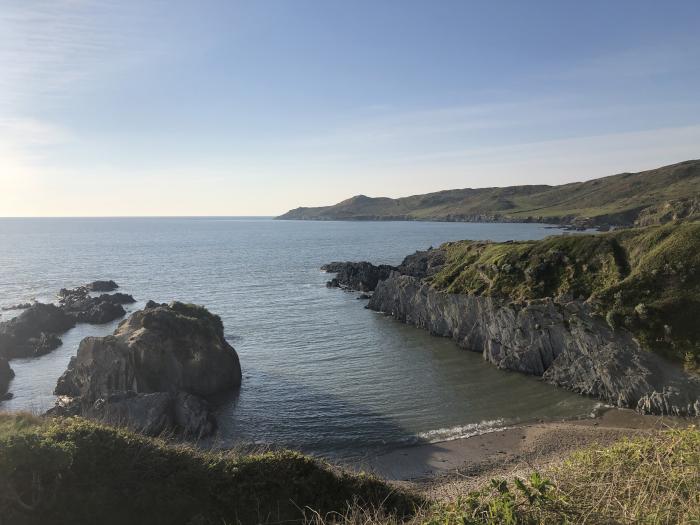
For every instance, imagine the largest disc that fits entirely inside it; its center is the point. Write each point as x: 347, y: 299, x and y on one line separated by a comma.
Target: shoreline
x: 453, y: 466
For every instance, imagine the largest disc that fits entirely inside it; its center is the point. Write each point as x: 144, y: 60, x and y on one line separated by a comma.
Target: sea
x: 321, y: 373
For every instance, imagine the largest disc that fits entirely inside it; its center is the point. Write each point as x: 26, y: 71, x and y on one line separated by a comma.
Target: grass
x: 655, y: 195
x: 650, y: 480
x: 80, y: 472
x: 646, y: 279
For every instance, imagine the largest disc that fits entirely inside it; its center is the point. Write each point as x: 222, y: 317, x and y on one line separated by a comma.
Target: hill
x: 643, y: 198
x: 78, y: 472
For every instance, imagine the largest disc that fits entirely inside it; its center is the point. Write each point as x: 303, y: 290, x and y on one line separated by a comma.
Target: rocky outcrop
x: 364, y: 276
x: 36, y: 330
x: 102, y: 286
x: 79, y: 304
x: 359, y: 276
x: 563, y: 342
x: 6, y: 375
x: 176, y: 350
x: 33, y: 332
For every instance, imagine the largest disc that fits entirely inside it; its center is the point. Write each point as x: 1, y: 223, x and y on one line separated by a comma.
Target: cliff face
x: 611, y: 315
x: 562, y: 342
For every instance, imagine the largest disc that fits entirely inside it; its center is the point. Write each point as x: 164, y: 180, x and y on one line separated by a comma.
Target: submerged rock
x: 102, y: 286
x: 177, y: 350
x: 6, y: 375
x: 34, y: 331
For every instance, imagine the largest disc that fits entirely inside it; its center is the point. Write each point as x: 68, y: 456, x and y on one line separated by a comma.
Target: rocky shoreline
x: 36, y: 330
x: 154, y: 374
x: 561, y: 340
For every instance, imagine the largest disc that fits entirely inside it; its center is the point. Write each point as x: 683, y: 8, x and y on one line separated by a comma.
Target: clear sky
x: 254, y: 107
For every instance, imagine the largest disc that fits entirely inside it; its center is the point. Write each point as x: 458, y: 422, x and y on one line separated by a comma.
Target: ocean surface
x: 320, y: 372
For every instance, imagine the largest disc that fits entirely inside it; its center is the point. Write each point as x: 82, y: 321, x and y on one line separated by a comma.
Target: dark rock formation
x: 153, y: 414
x: 364, y: 276
x: 361, y: 276
x: 563, y: 342
x: 79, y: 304
x: 6, y: 375
x: 102, y: 286
x: 176, y: 350
x: 423, y: 263
x: 34, y: 331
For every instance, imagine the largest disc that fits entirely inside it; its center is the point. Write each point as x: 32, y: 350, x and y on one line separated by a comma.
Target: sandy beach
x: 453, y: 467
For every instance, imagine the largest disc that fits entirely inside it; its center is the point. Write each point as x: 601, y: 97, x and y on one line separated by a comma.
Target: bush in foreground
x: 78, y: 472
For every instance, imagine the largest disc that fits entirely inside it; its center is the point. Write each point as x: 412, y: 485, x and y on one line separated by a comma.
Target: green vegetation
x: 646, y: 279
x: 658, y: 195
x: 651, y: 480
x: 75, y: 471
x: 643, y: 480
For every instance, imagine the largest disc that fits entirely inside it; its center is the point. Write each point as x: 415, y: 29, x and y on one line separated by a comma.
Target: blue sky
x: 252, y: 108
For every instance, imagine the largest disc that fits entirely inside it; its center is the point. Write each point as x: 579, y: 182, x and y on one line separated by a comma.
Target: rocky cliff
x: 154, y: 373
x: 610, y: 315
x: 564, y: 343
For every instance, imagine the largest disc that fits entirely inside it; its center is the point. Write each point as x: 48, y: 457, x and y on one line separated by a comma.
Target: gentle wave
x: 463, y: 431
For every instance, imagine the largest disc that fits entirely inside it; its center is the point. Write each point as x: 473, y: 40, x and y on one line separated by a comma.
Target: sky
x: 117, y: 108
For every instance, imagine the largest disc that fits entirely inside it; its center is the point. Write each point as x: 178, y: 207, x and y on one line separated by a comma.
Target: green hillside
x: 647, y: 279
x: 650, y: 196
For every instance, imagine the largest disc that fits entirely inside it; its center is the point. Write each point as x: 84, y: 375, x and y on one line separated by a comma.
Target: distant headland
x: 627, y: 199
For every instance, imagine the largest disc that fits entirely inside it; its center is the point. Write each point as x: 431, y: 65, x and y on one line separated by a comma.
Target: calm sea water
x: 321, y: 373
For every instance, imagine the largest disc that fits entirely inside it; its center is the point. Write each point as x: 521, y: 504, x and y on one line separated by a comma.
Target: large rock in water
x: 177, y: 350
x: 6, y: 375
x: 33, y: 332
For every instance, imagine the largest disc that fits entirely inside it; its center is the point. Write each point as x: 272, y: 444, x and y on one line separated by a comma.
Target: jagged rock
x: 6, y: 375
x: 364, y: 276
x: 562, y: 342
x: 423, y: 263
x: 84, y: 308
x: 153, y: 414
x: 361, y: 276
x: 20, y: 306
x: 102, y: 286
x: 169, y: 349
x: 34, y: 331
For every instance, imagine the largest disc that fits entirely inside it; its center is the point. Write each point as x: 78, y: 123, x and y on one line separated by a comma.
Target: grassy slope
x: 647, y: 278
x: 654, y: 480
x: 617, y: 198
x: 87, y: 473
x: 102, y: 475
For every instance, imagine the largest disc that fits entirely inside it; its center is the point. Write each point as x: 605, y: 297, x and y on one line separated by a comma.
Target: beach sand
x: 453, y: 467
